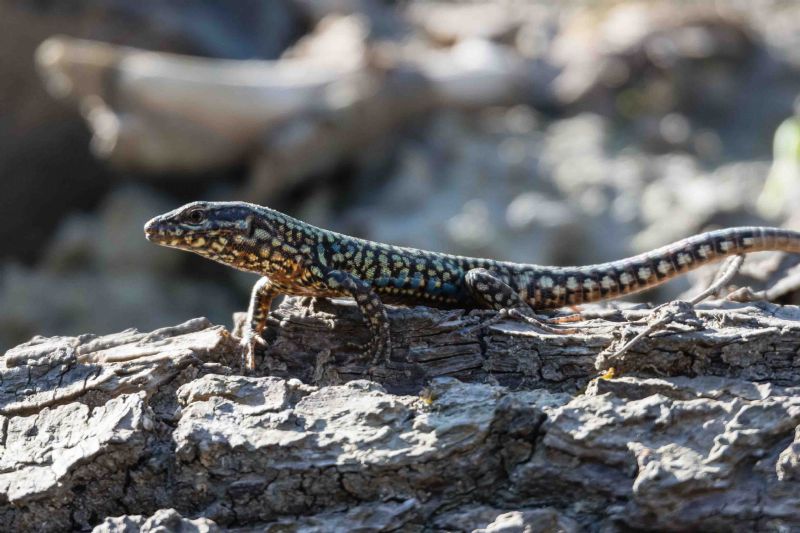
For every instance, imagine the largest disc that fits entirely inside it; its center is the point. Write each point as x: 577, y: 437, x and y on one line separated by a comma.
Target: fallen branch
x: 314, y: 342
x: 96, y: 427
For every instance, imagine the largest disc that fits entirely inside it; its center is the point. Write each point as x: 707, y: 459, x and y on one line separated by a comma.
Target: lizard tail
x: 576, y: 285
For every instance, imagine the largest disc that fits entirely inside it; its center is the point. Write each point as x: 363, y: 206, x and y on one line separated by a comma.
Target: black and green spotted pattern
x: 300, y: 259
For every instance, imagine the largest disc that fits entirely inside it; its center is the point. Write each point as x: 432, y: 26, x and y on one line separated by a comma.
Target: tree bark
x: 472, y: 425
x: 321, y: 342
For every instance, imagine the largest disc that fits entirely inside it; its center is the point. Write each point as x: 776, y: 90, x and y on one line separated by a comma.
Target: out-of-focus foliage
x: 783, y: 181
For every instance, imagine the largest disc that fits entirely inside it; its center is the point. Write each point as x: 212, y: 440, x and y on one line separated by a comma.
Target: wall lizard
x: 300, y: 259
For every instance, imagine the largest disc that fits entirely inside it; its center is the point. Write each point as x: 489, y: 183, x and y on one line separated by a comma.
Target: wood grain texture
x: 695, y: 430
x: 319, y: 342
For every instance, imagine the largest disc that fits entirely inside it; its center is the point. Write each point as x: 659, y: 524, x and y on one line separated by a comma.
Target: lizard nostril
x: 151, y: 228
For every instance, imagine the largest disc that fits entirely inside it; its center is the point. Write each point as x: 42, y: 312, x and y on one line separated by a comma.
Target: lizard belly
x: 293, y: 288
x: 410, y: 297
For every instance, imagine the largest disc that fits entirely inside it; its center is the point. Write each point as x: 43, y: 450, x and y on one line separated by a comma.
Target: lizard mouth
x: 155, y: 231
x: 165, y: 232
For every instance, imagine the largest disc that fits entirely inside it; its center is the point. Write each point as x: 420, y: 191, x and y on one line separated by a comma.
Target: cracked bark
x: 697, y: 430
x: 320, y: 342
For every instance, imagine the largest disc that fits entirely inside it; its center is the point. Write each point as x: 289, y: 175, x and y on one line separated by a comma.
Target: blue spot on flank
x: 398, y: 282
x: 381, y: 282
x: 448, y: 288
x: 432, y: 286
x: 416, y: 281
x: 336, y: 247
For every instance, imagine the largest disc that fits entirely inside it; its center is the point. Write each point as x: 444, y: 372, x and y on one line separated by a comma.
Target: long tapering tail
x: 558, y: 287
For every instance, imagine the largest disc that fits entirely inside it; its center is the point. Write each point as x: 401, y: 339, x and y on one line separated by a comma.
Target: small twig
x: 652, y: 327
x: 787, y: 284
x: 725, y: 274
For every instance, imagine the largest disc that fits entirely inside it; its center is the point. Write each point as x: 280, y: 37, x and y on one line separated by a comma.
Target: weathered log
x: 321, y: 342
x: 137, y: 424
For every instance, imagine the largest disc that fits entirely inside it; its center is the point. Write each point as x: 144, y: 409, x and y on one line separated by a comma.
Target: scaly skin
x: 300, y: 259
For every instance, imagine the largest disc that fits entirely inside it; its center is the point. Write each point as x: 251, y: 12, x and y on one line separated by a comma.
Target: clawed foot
x: 378, y: 353
x: 248, y: 347
x: 551, y: 326
x: 375, y: 352
x: 544, y: 326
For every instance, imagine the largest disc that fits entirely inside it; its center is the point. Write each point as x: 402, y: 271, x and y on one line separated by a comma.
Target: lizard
x: 296, y: 258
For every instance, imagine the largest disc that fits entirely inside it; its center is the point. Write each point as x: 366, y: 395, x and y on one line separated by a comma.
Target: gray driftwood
x: 333, y: 94
x: 695, y: 429
x: 321, y: 341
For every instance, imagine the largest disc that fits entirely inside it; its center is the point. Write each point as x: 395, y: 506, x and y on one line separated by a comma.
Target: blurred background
x: 567, y: 132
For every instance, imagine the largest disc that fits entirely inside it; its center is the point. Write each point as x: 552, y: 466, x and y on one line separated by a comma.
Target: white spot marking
x: 625, y: 278
x: 572, y: 284
x: 726, y: 245
x: 704, y: 250
x: 684, y: 259
x: 664, y: 267
x: 644, y: 273
x: 545, y: 282
x: 606, y: 282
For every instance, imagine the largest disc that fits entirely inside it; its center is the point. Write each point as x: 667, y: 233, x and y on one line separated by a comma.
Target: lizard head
x: 199, y: 225
x: 237, y: 234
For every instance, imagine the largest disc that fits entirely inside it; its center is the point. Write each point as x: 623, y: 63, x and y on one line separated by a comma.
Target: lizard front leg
x: 492, y: 292
x: 260, y: 300
x: 372, y: 311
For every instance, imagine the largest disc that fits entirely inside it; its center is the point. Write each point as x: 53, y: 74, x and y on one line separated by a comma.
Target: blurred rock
x: 385, y: 20
x: 112, y: 240
x: 102, y: 302
x: 244, y: 30
x: 331, y: 97
x: 45, y: 163
x: 448, y: 23
x: 508, y: 187
x: 171, y: 113
x: 100, y: 274
x: 45, y: 166
x: 684, y: 199
x: 642, y: 58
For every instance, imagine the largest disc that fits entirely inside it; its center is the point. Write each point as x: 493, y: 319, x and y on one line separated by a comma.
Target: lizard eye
x: 196, y: 216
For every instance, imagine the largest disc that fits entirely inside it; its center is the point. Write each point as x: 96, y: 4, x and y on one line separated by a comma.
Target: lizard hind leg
x: 492, y: 292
